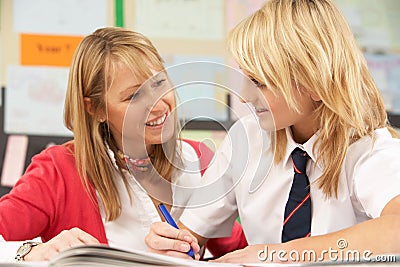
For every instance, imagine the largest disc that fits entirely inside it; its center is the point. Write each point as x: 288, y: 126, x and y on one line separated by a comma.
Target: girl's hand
x: 66, y: 239
x: 167, y: 240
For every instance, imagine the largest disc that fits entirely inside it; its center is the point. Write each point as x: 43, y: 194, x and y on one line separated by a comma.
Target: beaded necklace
x: 136, y: 164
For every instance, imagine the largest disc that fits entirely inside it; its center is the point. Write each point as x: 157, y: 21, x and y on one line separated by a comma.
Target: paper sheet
x: 75, y: 17
x: 181, y: 19
x: 385, y: 69
x: 48, y: 50
x: 35, y: 100
x: 14, y: 159
x: 199, y: 96
x: 375, y: 25
x: 236, y: 10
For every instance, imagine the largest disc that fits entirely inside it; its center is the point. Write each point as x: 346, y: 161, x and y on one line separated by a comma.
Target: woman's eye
x: 158, y: 83
x: 257, y: 83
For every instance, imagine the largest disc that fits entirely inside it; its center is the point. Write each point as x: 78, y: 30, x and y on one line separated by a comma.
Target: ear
x: 88, y: 105
x: 90, y: 109
x: 315, y: 97
x: 305, y: 91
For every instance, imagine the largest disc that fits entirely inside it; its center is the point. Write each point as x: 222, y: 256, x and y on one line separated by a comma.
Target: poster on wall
x: 375, y: 25
x: 236, y: 10
x: 180, y: 19
x: 385, y: 69
x: 35, y: 100
x: 14, y: 159
x: 47, y: 50
x: 74, y: 17
x: 197, y: 82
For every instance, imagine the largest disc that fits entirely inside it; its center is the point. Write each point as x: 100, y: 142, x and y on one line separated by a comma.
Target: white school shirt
x: 243, y: 181
x: 129, y: 230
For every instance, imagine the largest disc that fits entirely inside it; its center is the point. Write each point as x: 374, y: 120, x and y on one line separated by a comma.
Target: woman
x: 125, y: 130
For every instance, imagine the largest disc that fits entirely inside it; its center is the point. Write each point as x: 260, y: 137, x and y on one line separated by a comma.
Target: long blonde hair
x: 90, y: 76
x: 310, y: 43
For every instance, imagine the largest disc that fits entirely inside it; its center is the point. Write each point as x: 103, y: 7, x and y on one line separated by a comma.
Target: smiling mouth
x: 157, y: 122
x: 261, y: 110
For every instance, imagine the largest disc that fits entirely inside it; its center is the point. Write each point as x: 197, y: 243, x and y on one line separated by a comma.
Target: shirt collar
x: 307, y: 147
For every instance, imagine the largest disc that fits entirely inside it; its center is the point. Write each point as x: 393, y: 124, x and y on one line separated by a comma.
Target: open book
x: 101, y: 255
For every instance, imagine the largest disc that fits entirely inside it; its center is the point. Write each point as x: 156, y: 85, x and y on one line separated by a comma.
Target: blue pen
x: 168, y: 218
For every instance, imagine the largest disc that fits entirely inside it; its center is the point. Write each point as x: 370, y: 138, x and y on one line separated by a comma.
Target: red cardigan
x: 50, y: 198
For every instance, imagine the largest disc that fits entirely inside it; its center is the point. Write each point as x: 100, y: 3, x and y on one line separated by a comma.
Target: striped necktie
x: 297, y: 222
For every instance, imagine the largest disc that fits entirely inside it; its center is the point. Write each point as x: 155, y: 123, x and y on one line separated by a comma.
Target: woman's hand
x: 167, y: 240
x: 66, y: 239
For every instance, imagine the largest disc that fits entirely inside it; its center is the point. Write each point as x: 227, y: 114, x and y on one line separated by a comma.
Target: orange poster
x: 48, y: 50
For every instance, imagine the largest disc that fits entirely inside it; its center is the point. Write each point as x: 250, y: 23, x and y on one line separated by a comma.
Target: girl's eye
x: 133, y: 96
x: 158, y: 83
x: 257, y: 83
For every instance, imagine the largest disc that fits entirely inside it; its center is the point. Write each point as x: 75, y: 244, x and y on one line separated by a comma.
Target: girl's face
x: 275, y: 114
x: 138, y: 113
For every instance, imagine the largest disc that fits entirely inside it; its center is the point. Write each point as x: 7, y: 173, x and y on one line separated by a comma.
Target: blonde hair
x: 309, y: 43
x: 90, y: 76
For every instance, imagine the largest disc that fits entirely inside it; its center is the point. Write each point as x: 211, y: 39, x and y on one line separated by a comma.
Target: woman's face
x: 139, y: 111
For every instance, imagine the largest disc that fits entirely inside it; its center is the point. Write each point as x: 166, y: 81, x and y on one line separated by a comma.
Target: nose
x: 153, y: 106
x: 248, y: 92
x: 156, y: 106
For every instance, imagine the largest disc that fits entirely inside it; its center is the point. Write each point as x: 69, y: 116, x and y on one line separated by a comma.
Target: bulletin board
x: 37, y: 45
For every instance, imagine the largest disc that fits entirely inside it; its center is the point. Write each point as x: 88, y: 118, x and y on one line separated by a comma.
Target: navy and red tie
x: 297, y: 222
